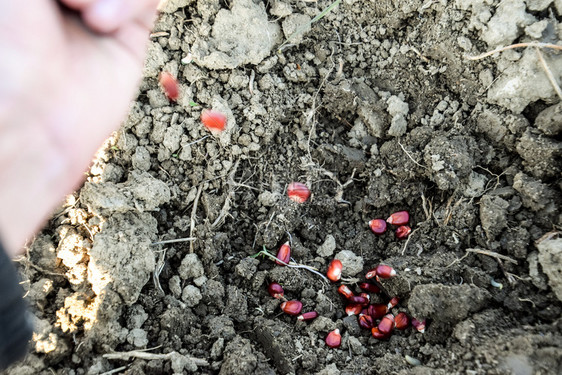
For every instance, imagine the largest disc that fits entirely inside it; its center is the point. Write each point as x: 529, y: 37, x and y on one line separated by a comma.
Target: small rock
x: 191, y: 295
x: 550, y: 258
x: 352, y: 264
x: 191, y: 267
x: 493, y: 215
x: 327, y: 248
x: 549, y: 121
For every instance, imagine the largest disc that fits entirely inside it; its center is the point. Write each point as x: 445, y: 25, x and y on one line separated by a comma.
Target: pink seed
x: 284, y: 254
x: 402, y: 321
x: 377, y: 310
x: 403, y: 231
x: 385, y: 272
x: 387, y: 324
x: 214, y: 121
x: 345, y: 291
x: 359, y: 299
x: 353, y: 309
x: 334, y: 270
x: 418, y: 325
x: 378, y: 334
x: 378, y: 226
x: 276, y: 290
x: 393, y: 302
x: 308, y: 315
x: 368, y: 287
x: 333, y: 340
x: 169, y: 85
x: 298, y: 192
x: 365, y: 321
x: 399, y: 218
x: 292, y: 307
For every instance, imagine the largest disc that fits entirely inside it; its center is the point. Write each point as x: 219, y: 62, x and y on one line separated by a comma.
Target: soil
x: 377, y: 109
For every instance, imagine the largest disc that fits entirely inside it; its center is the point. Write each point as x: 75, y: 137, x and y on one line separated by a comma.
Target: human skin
x: 67, y: 78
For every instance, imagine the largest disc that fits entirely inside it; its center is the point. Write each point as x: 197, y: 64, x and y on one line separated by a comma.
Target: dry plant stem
x: 518, y: 45
x: 158, y: 270
x: 151, y: 356
x: 173, y: 241
x: 382, y: 288
x: 193, y: 216
x: 549, y: 74
x: 292, y: 264
x: 408, y: 240
x: 492, y: 254
x: 411, y: 158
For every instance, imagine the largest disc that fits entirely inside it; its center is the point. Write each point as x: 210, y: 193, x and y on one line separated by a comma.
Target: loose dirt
x: 377, y: 108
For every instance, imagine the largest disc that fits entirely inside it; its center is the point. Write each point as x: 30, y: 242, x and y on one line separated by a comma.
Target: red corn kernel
x: 333, y: 340
x: 387, y: 324
x: 298, y: 192
x: 308, y: 315
x: 353, y: 309
x: 403, y: 231
x: 377, y: 310
x: 399, y: 218
x: 378, y: 334
x: 385, y: 272
x: 213, y: 120
x: 284, y: 254
x: 378, y: 226
x: 169, y: 85
x: 402, y: 321
x: 366, y: 296
x: 368, y: 287
x: 292, y: 307
x: 365, y: 321
x: 334, y: 270
x: 359, y: 300
x: 418, y: 325
x: 276, y: 290
x: 345, y: 291
x: 370, y: 274
x: 393, y: 302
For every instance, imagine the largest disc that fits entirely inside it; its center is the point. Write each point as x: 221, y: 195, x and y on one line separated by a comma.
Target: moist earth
x: 151, y: 267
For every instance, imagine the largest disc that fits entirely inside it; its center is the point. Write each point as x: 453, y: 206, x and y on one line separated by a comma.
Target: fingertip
x: 105, y: 16
x: 77, y: 4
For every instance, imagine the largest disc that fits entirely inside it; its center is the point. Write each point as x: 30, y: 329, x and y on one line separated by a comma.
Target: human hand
x: 67, y: 81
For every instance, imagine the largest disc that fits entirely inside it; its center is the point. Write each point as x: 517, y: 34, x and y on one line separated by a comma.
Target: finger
x: 106, y: 16
x: 77, y: 4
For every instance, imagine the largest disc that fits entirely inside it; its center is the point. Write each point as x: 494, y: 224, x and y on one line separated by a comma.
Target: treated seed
x: 334, y: 270
x: 418, y: 325
x: 284, y: 254
x: 213, y: 120
x: 378, y: 334
x: 393, y: 302
x: 333, y: 340
x: 353, y: 309
x: 385, y: 272
x: 378, y: 226
x: 365, y: 321
x: 368, y: 287
x: 403, y: 231
x: 298, y: 192
x: 377, y: 310
x: 359, y: 300
x: 169, y: 85
x: 387, y: 324
x: 276, y: 290
x: 402, y: 321
x: 345, y: 291
x: 399, y: 218
x: 308, y: 315
x: 292, y: 307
